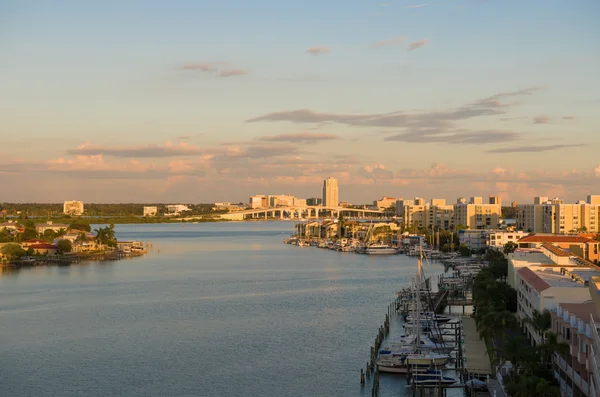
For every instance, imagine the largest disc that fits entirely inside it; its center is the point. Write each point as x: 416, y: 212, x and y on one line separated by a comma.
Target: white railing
x: 585, y: 386
x: 577, y: 378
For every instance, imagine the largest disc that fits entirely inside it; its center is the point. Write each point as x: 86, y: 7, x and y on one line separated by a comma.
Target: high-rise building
x: 476, y: 215
x: 330, y: 193
x: 554, y: 216
x: 434, y: 214
x: 73, y: 208
x: 314, y: 201
x: 258, y: 201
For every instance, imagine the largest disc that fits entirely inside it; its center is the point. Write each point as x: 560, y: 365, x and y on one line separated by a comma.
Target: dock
x: 477, y: 361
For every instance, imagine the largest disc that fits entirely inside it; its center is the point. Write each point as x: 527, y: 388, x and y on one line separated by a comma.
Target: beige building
x: 281, y: 200
x: 331, y: 197
x: 385, y: 202
x: 476, y: 215
x: 258, y: 201
x: 436, y: 213
x: 554, y: 216
x: 150, y: 211
x: 73, y: 208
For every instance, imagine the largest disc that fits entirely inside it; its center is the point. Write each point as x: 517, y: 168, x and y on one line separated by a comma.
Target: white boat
x: 427, y: 359
x: 432, y: 377
x: 397, y: 365
x: 380, y: 249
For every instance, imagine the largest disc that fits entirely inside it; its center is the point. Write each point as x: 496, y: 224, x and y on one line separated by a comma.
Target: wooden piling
x: 362, y: 377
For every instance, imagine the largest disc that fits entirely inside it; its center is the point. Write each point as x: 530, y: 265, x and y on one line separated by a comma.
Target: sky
x: 203, y: 101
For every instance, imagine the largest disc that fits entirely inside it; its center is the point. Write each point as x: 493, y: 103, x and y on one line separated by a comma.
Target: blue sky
x: 152, y: 101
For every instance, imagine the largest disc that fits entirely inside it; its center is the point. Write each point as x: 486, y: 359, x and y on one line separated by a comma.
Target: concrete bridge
x: 307, y: 212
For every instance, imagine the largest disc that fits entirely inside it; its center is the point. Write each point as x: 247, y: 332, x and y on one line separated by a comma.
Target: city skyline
x: 208, y: 102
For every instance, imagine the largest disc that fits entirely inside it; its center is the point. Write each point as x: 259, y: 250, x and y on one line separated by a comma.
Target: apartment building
x: 475, y: 215
x: 281, y: 200
x: 258, y: 201
x: 578, y: 245
x: 554, y: 216
x: 594, y: 354
x: 331, y: 193
x: 73, y: 208
x: 499, y: 238
x: 385, y: 202
x: 577, y: 325
x: 435, y: 214
x: 545, y: 288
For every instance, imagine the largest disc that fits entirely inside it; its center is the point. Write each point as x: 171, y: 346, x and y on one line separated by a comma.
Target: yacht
x: 380, y: 249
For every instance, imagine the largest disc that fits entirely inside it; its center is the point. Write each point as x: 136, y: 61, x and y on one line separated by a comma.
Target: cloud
x: 531, y: 149
x: 232, y: 72
x: 319, y: 50
x: 209, y: 67
x: 513, y: 118
x: 215, y: 68
x: 417, y: 44
x: 306, y: 137
x: 541, y: 119
x: 441, y: 120
x: 597, y: 171
x: 184, y: 137
x: 417, y: 6
x: 166, y: 150
x: 472, y: 137
x: 389, y: 42
x: 569, y: 117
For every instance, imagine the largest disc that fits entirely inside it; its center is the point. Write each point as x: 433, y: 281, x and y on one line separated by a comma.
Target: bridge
x: 299, y: 212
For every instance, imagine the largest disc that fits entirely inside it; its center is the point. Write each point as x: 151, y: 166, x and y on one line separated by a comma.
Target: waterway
x: 221, y: 309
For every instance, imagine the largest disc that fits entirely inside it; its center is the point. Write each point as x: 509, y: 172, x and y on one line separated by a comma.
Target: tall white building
x: 73, y: 208
x: 330, y: 192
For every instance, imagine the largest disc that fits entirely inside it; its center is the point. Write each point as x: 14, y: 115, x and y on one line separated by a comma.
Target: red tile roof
x: 533, y: 279
x: 556, y: 250
x: 43, y: 246
x: 548, y: 238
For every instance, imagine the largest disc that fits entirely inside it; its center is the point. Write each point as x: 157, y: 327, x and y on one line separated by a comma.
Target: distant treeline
x: 96, y: 210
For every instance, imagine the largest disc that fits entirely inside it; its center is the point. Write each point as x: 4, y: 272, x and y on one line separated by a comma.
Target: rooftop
x: 533, y: 279
x: 582, y: 310
x: 554, y: 238
x: 556, y: 250
x: 553, y: 278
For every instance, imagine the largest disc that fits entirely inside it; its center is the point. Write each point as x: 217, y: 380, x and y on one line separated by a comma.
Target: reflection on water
x: 223, y: 310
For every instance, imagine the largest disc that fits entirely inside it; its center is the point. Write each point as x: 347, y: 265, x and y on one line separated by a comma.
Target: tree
x: 13, y: 251
x: 464, y: 250
x: 510, y: 247
x: 64, y: 246
x: 29, y: 232
x: 81, y: 226
x: 540, y: 322
x: 550, y: 346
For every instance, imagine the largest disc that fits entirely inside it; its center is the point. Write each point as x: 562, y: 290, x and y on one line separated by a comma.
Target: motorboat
x: 432, y: 377
x: 397, y: 365
x: 380, y: 249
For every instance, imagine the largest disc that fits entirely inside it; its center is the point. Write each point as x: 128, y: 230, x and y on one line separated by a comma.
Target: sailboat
x: 411, y: 352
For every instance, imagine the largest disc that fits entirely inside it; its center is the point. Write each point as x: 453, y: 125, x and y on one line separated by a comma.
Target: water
x: 223, y: 309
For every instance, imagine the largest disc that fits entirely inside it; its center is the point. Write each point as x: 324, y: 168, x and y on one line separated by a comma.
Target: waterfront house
x: 55, y: 227
x: 29, y: 243
x: 43, y: 248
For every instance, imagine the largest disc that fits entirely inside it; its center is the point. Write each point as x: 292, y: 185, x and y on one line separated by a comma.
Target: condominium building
x: 554, y: 216
x: 385, y: 202
x: 546, y: 288
x: 281, y: 200
x: 258, y: 201
x: 150, y: 211
x: 74, y: 208
x: 476, y: 215
x: 435, y: 214
x: 314, y: 201
x: 499, y: 238
x: 330, y: 193
x: 594, y: 353
x: 577, y: 325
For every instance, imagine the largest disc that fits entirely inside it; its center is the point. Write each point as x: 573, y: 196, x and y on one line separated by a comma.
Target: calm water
x: 214, y: 310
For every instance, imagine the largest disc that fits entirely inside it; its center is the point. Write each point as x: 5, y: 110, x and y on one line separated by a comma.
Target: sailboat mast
x: 418, y: 304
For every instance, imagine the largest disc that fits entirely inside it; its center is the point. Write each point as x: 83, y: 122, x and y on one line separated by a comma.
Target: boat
x: 397, y: 365
x: 380, y: 249
x: 430, y: 317
x: 432, y: 377
x: 427, y: 359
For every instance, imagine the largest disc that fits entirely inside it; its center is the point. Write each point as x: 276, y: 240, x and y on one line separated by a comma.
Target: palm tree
x: 550, y: 346
x: 540, y: 322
